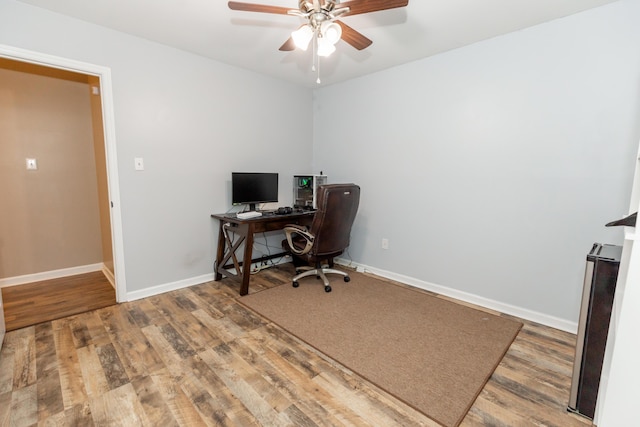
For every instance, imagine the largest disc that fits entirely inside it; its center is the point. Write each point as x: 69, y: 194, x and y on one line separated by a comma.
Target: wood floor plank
x: 6, y: 368
x: 364, y: 410
x: 136, y: 354
x: 236, y: 361
x: 151, y: 313
x: 112, y: 366
x: 79, y: 331
x: 24, y: 358
x: 225, y: 401
x: 170, y: 358
x: 5, y: 408
x: 202, y: 297
x: 523, y: 408
x: 27, y: 305
x: 78, y: 415
x: 154, y: 405
x: 50, y: 400
x: 264, y: 413
x: 69, y: 367
x: 118, y: 407
x: 179, y: 312
x: 95, y: 326
x: 94, y: 379
x: 203, y: 401
x: 196, y: 357
x: 224, y: 329
x: 296, y: 385
x: 180, y: 405
x: 24, y: 406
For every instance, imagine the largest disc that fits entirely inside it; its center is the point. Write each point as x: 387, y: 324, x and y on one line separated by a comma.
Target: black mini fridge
x: 600, y: 277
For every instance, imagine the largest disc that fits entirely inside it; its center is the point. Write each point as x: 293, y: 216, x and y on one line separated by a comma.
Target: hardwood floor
x: 33, y: 303
x: 197, y: 357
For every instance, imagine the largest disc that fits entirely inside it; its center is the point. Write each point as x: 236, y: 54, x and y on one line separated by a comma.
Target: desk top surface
x: 267, y: 216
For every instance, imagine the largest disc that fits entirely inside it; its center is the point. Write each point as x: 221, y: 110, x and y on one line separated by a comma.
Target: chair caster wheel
x: 327, y: 288
x: 295, y: 284
x: 347, y: 278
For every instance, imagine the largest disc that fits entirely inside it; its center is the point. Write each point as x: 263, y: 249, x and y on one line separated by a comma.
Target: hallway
x: 33, y: 303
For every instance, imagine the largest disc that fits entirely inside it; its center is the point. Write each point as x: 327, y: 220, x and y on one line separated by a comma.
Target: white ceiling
x: 251, y: 40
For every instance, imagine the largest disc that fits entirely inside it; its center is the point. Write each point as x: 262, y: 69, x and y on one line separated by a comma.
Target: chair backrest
x: 337, y: 205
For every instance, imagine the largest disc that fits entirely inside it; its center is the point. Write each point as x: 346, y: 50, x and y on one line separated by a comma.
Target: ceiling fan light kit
x: 323, y: 26
x: 325, y: 47
x: 326, y: 35
x: 302, y: 36
x: 331, y: 31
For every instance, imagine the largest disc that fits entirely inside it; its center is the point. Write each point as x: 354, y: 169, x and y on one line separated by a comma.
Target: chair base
x: 320, y: 273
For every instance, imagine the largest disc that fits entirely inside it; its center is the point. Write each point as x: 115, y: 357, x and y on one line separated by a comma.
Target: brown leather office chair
x: 329, y: 233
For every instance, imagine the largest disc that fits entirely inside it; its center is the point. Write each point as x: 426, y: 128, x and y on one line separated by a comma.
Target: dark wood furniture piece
x: 234, y: 231
x: 329, y: 234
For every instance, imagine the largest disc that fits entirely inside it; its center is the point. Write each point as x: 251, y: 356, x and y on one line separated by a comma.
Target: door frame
x: 106, y: 92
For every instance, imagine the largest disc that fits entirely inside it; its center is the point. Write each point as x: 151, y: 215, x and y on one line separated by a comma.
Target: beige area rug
x: 432, y: 354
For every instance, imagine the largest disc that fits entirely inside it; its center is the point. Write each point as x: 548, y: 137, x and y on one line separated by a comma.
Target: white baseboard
x: 167, y: 287
x: 523, y: 313
x: 48, y: 275
x: 109, y: 275
x: 501, y: 307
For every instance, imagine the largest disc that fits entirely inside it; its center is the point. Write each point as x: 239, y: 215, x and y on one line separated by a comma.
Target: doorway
x: 98, y: 81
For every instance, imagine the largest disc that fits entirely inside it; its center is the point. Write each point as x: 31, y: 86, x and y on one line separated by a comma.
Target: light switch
x: 139, y: 163
x: 32, y: 164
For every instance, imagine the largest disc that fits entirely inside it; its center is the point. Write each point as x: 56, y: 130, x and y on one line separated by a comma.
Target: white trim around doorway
x: 106, y: 91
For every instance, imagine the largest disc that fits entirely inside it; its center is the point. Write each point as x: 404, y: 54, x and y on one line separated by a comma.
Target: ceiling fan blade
x: 353, y: 37
x: 357, y: 7
x: 288, y: 45
x: 250, y: 7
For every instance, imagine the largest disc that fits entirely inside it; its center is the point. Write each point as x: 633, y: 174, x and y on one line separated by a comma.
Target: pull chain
x: 315, y: 43
x: 315, y: 65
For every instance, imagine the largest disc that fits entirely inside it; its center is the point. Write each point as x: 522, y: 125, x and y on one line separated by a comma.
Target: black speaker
x: 284, y: 210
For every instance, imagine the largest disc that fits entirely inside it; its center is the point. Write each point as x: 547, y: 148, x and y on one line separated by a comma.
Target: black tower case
x: 600, y: 278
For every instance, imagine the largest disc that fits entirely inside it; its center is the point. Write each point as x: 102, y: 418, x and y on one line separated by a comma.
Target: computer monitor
x: 251, y: 188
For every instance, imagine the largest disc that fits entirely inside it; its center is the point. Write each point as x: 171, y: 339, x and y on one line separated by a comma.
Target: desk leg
x: 220, y: 254
x: 246, y: 262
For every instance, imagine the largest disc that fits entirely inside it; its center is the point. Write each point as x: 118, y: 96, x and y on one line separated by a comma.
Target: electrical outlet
x: 385, y: 243
x: 32, y: 164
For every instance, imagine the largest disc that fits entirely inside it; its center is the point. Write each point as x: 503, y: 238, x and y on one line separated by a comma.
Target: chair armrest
x: 293, y: 230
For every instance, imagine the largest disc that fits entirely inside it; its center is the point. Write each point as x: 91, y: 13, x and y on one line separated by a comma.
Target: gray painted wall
x: 493, y: 168
x: 193, y: 120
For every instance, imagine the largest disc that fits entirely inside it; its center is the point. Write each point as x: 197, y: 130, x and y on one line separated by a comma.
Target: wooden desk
x: 234, y: 231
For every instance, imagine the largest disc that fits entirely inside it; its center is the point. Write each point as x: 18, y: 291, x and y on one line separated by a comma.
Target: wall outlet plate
x: 32, y: 164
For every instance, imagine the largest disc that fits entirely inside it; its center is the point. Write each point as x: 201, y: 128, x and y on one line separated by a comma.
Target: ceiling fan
x: 322, y: 24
